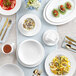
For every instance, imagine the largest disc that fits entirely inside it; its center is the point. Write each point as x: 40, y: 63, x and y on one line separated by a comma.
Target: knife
x: 70, y: 39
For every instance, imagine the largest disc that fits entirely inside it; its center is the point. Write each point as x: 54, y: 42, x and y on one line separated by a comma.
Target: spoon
x: 69, y: 47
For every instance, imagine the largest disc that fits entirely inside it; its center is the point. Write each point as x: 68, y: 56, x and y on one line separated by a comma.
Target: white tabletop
x: 67, y: 29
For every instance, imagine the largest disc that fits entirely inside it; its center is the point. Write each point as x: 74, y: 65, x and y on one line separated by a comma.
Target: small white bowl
x: 12, y: 48
x: 50, y: 40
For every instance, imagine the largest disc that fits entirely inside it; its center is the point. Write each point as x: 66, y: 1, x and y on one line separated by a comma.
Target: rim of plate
x: 31, y: 32
x: 51, y: 44
x: 57, y: 23
x: 38, y: 62
x: 62, y: 52
x: 12, y: 11
x: 14, y: 66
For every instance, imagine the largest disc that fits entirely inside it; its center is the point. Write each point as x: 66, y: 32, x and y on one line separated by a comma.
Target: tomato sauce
x: 7, y: 4
x: 7, y: 48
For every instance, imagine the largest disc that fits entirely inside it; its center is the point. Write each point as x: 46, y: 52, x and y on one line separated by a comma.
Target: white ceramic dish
x: 56, y: 53
x: 33, y: 31
x: 12, y: 48
x: 30, y: 53
x: 63, y: 20
x: 11, y: 70
x: 13, y: 11
x: 55, y: 34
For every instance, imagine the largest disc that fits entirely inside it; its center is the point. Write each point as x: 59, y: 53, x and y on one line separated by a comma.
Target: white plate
x: 64, y: 53
x: 13, y: 11
x: 62, y: 20
x: 33, y: 31
x: 11, y: 70
x: 30, y: 53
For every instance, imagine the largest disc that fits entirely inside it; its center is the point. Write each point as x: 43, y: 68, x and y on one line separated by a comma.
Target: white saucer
x: 64, y: 53
x: 56, y: 22
x: 30, y: 53
x: 33, y: 31
x: 11, y: 70
x: 13, y: 11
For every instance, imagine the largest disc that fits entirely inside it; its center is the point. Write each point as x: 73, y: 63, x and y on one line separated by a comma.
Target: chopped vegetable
x: 62, y: 9
x: 55, y: 13
x: 68, y: 5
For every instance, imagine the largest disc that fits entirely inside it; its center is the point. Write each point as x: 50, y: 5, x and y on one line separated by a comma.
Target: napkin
x: 65, y: 42
x: 1, y: 25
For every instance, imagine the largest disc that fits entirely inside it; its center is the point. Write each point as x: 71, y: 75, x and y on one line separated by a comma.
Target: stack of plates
x: 30, y: 53
x: 62, y: 19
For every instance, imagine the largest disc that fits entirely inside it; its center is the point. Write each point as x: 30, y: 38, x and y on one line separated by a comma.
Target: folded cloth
x: 68, y: 44
x: 8, y: 30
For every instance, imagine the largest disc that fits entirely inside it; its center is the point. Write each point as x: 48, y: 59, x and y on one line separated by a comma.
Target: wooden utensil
x: 10, y: 21
x: 0, y: 19
x: 69, y: 42
x: 70, y: 39
x: 3, y: 26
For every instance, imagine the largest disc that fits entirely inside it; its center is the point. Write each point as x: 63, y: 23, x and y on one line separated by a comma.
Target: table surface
x: 66, y: 29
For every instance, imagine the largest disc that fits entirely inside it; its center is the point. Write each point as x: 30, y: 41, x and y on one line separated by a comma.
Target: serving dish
x: 11, y: 70
x: 62, y: 19
x: 30, y: 53
x: 12, y: 11
x: 58, y: 53
x: 33, y: 31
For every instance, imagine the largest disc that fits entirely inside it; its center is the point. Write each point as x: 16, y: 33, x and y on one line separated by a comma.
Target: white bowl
x: 30, y: 53
x: 12, y: 48
x: 12, y: 11
x: 11, y: 70
x: 33, y: 31
x: 51, y: 42
x: 64, y: 53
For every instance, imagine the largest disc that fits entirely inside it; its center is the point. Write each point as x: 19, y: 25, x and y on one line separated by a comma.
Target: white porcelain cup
x: 11, y: 45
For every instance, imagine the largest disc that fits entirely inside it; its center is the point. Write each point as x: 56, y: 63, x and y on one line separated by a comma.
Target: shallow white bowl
x: 11, y: 70
x: 12, y: 11
x: 29, y: 32
x: 56, y: 53
x: 30, y: 53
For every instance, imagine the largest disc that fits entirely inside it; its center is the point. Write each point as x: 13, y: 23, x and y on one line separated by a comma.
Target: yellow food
x: 29, y: 24
x: 60, y: 65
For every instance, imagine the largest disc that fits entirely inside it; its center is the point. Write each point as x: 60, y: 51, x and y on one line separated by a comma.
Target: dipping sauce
x: 8, y: 4
x: 7, y: 48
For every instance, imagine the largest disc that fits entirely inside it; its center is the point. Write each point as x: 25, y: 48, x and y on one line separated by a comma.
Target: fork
x: 9, y: 23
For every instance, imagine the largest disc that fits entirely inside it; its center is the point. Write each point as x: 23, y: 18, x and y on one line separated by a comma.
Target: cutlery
x: 0, y: 19
x: 69, y: 42
x: 69, y: 47
x: 3, y: 26
x: 70, y: 39
x: 10, y: 21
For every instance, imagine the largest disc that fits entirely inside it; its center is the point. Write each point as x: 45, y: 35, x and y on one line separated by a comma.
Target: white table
x: 67, y: 29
